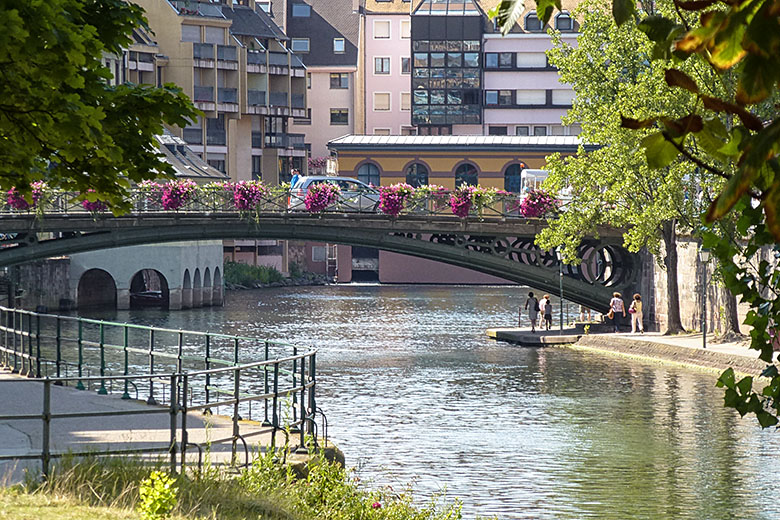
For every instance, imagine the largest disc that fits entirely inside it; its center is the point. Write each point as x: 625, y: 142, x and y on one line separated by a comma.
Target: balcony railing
x: 296, y: 62
x: 193, y: 135
x: 255, y: 58
x: 203, y: 51
x: 228, y: 95
x: 296, y: 141
x: 215, y: 137
x: 257, y: 139
x: 278, y: 99
x: 298, y: 101
x: 227, y: 53
x: 256, y: 97
x: 204, y: 94
x: 277, y: 58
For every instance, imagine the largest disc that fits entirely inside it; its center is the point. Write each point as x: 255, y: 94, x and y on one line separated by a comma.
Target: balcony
x: 255, y: 58
x: 256, y: 97
x: 204, y: 94
x: 193, y: 135
x: 298, y: 101
x: 278, y: 59
x: 215, y: 137
x: 203, y: 51
x: 227, y: 95
x: 227, y: 53
x: 190, y: 8
x: 278, y: 99
x: 296, y: 141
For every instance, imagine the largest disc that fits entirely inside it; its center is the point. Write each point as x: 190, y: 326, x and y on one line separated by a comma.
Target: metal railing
x: 227, y: 52
x: 255, y: 58
x: 256, y: 97
x: 203, y: 51
x: 185, y: 371
x: 203, y: 94
x: 227, y: 95
x: 278, y: 58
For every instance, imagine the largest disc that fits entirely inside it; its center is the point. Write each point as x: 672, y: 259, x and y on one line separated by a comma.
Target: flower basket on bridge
x: 538, y: 203
x: 94, y: 206
x: 17, y: 201
x: 321, y: 196
x: 465, y: 198
x: 176, y: 194
x: 247, y: 194
x: 393, y: 198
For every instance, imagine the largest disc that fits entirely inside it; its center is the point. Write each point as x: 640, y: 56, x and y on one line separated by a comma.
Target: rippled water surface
x: 414, y: 391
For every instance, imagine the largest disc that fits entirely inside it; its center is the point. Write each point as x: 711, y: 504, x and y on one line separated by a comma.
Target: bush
x: 248, y: 275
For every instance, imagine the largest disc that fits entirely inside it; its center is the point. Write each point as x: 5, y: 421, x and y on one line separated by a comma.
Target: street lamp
x: 704, y: 256
x: 559, y: 255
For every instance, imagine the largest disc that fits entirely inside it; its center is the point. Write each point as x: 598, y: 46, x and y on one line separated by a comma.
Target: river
x: 415, y: 393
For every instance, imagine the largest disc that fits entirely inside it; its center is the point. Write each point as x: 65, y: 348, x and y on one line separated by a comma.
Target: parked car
x: 356, y: 196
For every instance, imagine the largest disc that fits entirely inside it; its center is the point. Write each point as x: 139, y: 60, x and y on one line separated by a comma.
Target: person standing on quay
x: 635, y: 310
x: 616, y: 306
x: 547, y: 311
x: 532, y: 306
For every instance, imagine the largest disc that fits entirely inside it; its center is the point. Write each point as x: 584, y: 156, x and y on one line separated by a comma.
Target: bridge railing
x: 221, y: 198
x: 184, y: 370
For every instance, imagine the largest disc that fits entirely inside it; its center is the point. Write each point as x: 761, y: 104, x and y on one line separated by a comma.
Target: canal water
x: 415, y: 393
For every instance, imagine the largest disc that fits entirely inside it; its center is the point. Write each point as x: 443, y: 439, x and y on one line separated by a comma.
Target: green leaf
x: 726, y: 379
x: 745, y: 385
x: 507, y: 13
x: 660, y: 153
x: 545, y: 9
x: 757, y: 80
x: 737, y: 186
x: 622, y: 10
x: 766, y: 419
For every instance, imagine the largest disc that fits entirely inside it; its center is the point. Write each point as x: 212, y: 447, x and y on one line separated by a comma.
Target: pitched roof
x: 247, y: 22
x: 484, y: 142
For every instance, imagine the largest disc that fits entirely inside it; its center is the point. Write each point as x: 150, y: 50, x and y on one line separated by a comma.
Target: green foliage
x: 60, y: 121
x: 158, y: 493
x: 248, y: 275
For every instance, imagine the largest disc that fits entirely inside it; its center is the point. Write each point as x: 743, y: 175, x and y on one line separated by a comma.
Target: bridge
x: 497, y: 241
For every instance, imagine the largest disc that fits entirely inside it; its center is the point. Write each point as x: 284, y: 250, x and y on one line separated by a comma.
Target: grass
x: 248, y: 275
x: 96, y: 488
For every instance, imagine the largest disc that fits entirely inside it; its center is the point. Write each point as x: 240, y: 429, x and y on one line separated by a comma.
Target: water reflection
x: 414, y: 391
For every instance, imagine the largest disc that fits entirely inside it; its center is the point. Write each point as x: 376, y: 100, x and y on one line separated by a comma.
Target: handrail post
x: 80, y: 343
x: 151, y: 400
x: 235, y: 351
x: 126, y: 394
x: 173, y: 412
x: 37, y: 345
x: 294, y: 376
x: 312, y: 402
x: 102, y: 390
x: 266, y: 422
x: 59, y: 346
x: 181, y: 350
x: 15, y: 335
x: 208, y: 367
x: 303, y: 409
x: 236, y: 431
x: 29, y: 346
x: 275, y: 404
x: 183, y: 407
x: 45, y: 448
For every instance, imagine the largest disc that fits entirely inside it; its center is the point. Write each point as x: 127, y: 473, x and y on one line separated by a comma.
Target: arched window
x: 466, y: 174
x: 417, y: 175
x: 532, y: 22
x: 369, y: 173
x: 513, y: 181
x: 564, y: 22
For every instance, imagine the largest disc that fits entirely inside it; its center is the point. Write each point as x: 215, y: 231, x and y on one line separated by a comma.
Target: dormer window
x: 301, y: 10
x: 564, y: 22
x: 532, y: 22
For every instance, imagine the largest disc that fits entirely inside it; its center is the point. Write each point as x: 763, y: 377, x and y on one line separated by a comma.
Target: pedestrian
x: 542, y: 303
x: 532, y: 306
x: 296, y: 174
x: 616, y: 307
x: 548, y: 308
x: 583, y: 310
x: 635, y: 310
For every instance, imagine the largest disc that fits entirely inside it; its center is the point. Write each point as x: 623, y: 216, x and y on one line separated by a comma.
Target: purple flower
x: 392, y: 199
x: 176, y: 194
x: 246, y: 194
x: 376, y: 505
x: 94, y: 206
x: 538, y: 203
x: 17, y: 201
x: 320, y: 196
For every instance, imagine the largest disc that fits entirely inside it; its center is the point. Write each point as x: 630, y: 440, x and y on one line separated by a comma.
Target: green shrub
x: 158, y: 495
x: 248, y: 275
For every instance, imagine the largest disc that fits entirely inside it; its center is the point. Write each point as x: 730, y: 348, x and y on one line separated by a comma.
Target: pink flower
x: 176, y: 194
x: 392, y: 199
x: 246, y: 194
x: 538, y: 203
x: 376, y: 505
x: 320, y: 196
x: 95, y: 206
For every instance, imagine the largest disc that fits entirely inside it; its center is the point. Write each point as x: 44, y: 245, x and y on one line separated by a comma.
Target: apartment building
x: 325, y: 35
x: 234, y: 63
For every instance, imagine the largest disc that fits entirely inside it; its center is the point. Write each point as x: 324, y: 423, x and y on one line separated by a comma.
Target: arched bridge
x: 500, y: 246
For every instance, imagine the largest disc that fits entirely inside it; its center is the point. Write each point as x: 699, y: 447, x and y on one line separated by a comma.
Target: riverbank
x: 682, y: 349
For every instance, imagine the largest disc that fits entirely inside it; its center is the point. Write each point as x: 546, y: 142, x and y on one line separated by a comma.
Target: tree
x: 60, y: 120
x: 734, y: 138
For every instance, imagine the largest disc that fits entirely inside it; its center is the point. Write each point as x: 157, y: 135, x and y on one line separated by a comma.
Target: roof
x: 248, y: 22
x: 484, y: 142
x: 184, y: 161
x: 448, y: 8
x: 388, y: 6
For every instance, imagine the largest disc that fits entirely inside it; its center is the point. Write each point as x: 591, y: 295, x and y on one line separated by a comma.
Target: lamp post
x: 704, y: 256
x: 559, y: 255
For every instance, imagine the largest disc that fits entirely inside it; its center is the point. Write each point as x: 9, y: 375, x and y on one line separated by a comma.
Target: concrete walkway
x: 20, y: 396
x: 682, y: 348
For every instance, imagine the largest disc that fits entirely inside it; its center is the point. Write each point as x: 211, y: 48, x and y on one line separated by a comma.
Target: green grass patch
x: 248, y: 275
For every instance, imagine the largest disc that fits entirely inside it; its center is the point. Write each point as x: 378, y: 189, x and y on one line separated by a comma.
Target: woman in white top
x: 636, y: 315
x: 617, y: 306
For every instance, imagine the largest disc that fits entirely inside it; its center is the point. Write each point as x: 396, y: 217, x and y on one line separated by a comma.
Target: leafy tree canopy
x: 60, y: 120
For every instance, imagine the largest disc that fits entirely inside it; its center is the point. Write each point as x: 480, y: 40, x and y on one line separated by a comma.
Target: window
x: 408, y: 130
x: 531, y: 97
x: 381, y: 65
x: 575, y: 130
x: 491, y: 97
x: 406, y: 29
x: 257, y: 161
x: 466, y: 174
x: 215, y: 35
x: 381, y: 131
x: 301, y: 10
x: 381, y: 101
x: 406, y: 101
x: 303, y: 121
x: 540, y: 130
x: 339, y: 116
x: 498, y: 60
x: 319, y: 253
x: 532, y: 22
x: 369, y: 172
x: 497, y: 130
x: 190, y: 33
x: 521, y: 130
x: 562, y: 97
x: 513, y: 180
x: 417, y: 175
x: 216, y: 160
x: 557, y: 130
x: 531, y: 60
x: 381, y: 29
x: 498, y: 97
x: 406, y: 66
x: 308, y: 80
x: 265, y: 5
x: 338, y: 45
x: 300, y: 45
x: 563, y: 22
x: 339, y: 80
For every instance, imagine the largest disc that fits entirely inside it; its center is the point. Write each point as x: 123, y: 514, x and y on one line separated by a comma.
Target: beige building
x: 233, y: 62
